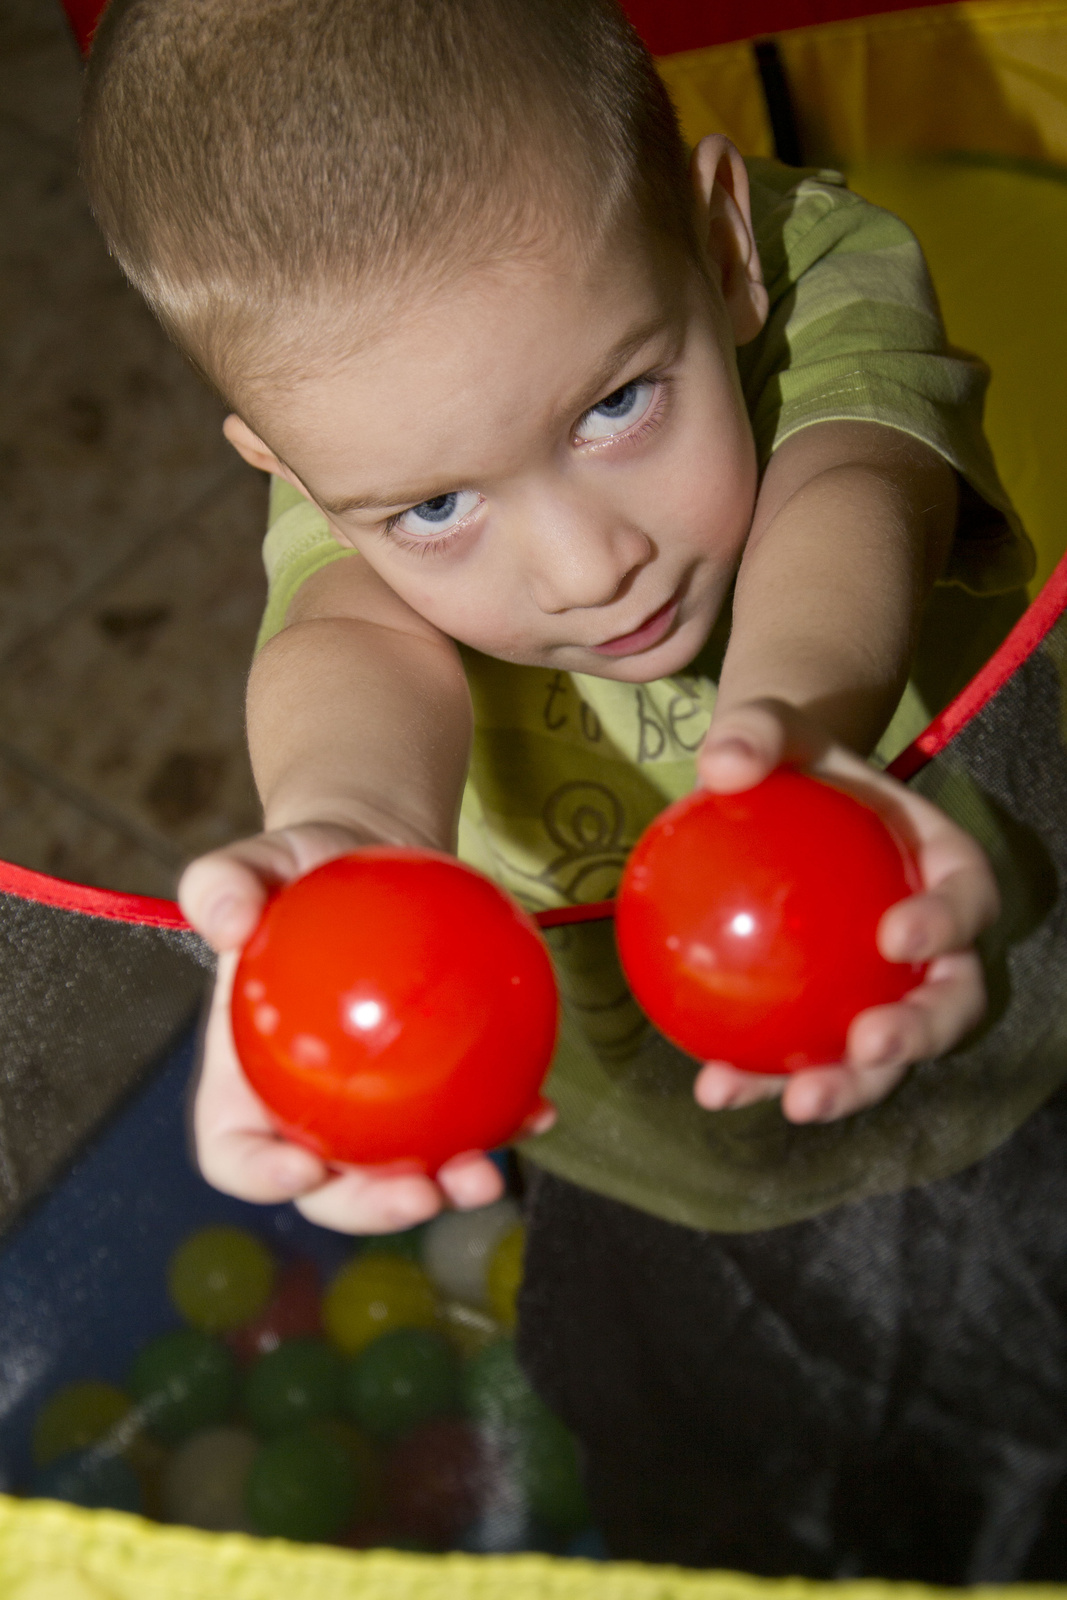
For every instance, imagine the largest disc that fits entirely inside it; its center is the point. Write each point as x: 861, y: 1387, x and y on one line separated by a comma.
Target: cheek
x: 465, y: 599
x: 706, y: 486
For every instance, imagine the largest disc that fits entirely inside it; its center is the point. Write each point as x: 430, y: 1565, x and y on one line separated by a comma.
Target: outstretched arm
x: 359, y: 728
x: 852, y: 527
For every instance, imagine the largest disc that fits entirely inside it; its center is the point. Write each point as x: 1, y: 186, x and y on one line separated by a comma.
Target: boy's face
x: 550, y: 463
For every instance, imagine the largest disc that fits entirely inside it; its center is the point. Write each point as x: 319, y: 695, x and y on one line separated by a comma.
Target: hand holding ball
x: 395, y: 1006
x: 747, y: 922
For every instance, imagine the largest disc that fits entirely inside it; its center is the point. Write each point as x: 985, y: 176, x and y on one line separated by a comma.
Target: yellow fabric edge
x: 107, y: 1555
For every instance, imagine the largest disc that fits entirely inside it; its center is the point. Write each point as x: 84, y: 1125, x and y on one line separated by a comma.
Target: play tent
x: 956, y: 118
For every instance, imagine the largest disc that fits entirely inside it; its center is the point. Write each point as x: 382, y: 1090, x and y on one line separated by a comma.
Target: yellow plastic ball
x: 374, y: 1294
x: 220, y: 1277
x: 76, y: 1416
x: 505, y: 1275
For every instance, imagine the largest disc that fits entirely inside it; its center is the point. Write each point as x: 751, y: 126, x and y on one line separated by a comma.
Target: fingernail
x: 916, y: 948
x: 404, y: 1215
x: 225, y: 911
x: 740, y: 749
x: 291, y: 1171
x: 540, y: 1122
x: 889, y: 1054
x: 813, y: 1108
x: 716, y: 1097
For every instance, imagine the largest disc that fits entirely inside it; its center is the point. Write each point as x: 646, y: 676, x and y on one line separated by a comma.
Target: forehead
x: 459, y: 379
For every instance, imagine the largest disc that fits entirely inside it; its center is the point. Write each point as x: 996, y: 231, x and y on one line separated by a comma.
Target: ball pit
x: 370, y: 1405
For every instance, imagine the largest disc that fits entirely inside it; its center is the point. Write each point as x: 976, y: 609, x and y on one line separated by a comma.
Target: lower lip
x: 648, y: 634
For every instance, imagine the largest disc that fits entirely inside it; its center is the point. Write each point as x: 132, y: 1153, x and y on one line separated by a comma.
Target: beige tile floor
x: 130, y: 582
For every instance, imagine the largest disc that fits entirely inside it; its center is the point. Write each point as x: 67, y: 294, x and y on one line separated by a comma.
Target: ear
x: 256, y: 453
x: 262, y: 457
x: 724, y: 215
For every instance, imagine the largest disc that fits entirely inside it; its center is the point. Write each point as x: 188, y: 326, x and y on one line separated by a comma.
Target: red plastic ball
x: 436, y: 1480
x: 746, y: 922
x: 294, y: 1311
x: 395, y: 1006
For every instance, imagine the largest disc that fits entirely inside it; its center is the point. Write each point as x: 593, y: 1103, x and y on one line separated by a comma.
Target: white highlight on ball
x: 365, y: 1014
x: 266, y: 1018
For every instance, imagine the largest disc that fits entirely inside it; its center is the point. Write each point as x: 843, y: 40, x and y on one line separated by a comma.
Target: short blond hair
x: 243, y: 156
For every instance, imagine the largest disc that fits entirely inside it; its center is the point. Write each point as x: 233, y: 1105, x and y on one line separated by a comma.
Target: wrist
x: 353, y: 820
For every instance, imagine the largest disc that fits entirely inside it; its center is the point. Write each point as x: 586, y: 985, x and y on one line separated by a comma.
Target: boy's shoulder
x: 802, y: 215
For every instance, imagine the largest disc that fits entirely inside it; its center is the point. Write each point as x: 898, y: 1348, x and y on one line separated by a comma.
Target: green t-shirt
x: 568, y: 769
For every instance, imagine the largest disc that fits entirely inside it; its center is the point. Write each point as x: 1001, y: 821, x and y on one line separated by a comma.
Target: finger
x: 260, y: 1167
x: 359, y: 1201
x: 237, y: 1147
x: 952, y: 864
x: 223, y: 898
x: 543, y: 1116
x: 741, y: 748
x: 928, y: 1021
x: 823, y: 1094
x: 747, y: 741
x: 720, y: 1087
x: 945, y: 918
x: 886, y: 1040
x: 222, y: 894
x: 471, y: 1180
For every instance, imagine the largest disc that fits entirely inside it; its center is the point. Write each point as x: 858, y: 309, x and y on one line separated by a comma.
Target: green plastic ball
x: 297, y: 1383
x: 497, y: 1396
x: 220, y: 1277
x: 400, y: 1380
x: 496, y: 1392
x: 183, y: 1381
x: 302, y: 1485
x: 550, y: 1476
x: 76, y: 1416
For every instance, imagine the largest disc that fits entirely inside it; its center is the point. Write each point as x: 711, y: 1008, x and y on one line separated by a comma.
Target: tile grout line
x: 121, y: 567
x: 91, y: 805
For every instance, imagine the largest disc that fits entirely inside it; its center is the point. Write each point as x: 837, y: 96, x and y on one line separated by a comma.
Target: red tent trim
x: 108, y: 903
x: 1036, y: 621
x: 696, y: 24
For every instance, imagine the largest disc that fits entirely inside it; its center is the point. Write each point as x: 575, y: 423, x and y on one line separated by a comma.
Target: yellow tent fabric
x: 996, y: 241
x: 955, y: 118
x: 983, y: 75
x: 54, y: 1552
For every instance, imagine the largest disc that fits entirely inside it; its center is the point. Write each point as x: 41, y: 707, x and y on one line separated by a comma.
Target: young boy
x: 544, y: 403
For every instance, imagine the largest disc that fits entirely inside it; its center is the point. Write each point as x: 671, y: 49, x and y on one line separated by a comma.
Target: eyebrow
x: 619, y: 354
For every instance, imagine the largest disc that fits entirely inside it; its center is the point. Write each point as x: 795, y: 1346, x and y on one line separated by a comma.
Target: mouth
x: 651, y: 631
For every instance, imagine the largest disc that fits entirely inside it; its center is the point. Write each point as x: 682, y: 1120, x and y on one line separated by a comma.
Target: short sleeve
x: 298, y: 543
x: 854, y: 334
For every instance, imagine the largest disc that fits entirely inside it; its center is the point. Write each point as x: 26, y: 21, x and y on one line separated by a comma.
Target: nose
x: 582, y: 555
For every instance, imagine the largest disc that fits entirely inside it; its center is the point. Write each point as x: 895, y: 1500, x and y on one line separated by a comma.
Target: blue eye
x: 617, y: 411
x: 619, y: 404
x: 439, y: 514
